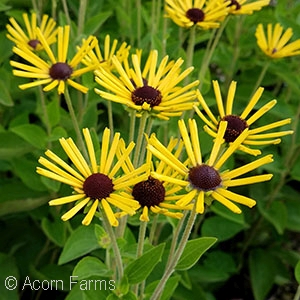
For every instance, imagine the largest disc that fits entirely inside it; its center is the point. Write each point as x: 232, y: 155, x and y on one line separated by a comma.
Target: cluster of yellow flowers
x: 179, y: 178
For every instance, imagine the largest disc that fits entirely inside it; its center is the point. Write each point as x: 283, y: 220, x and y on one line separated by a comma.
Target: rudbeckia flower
x: 275, y: 42
x: 243, y: 7
x: 58, y: 71
x: 104, y: 57
x: 153, y: 89
x: 95, y: 183
x: 156, y: 196
x: 201, y: 13
x: 237, y: 123
x: 204, y: 180
x: 29, y: 38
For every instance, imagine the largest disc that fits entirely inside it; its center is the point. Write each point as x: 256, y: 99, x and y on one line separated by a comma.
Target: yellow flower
x: 238, y: 123
x: 29, y: 39
x: 243, y: 7
x: 204, y: 14
x: 154, y: 195
x: 60, y: 70
x: 96, y: 183
x: 275, y: 43
x: 153, y: 89
x: 204, y: 181
x: 104, y: 58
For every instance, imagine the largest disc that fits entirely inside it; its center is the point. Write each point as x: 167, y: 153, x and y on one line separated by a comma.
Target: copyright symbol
x: 11, y: 283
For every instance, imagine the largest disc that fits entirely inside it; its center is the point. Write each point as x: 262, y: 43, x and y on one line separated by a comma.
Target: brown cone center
x: 204, y: 178
x: 60, y: 71
x: 98, y: 186
x: 149, y: 193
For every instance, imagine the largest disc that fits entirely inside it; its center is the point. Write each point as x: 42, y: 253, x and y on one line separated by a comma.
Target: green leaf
x: 26, y: 171
x: 293, y: 213
x: 81, y: 241
x: 221, y: 228
x: 90, y: 266
x: 55, y: 230
x: 58, y: 277
x: 139, y: 270
x: 5, y: 97
x: 12, y: 146
x: 22, y: 205
x: 262, y: 273
x: 53, y: 110
x: 168, y: 290
x: 8, y: 269
x: 193, y: 251
x: 31, y: 133
x: 297, y: 272
x: 224, y: 212
x: 276, y: 214
x: 80, y: 291
x: 94, y: 23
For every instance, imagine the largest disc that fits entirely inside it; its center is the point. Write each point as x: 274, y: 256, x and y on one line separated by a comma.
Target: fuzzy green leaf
x: 90, y: 266
x: 221, y: 228
x: 297, y: 272
x: 138, y: 270
x: 262, y: 273
x: 193, y: 251
x: 81, y: 242
x: 31, y: 133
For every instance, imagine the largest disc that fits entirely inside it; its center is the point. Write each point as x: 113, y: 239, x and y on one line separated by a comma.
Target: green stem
x: 164, y: 36
x: 132, y: 125
x: 140, y: 138
x: 45, y: 113
x: 261, y: 77
x: 153, y: 229
x: 139, y: 22
x: 210, y: 51
x: 114, y: 244
x: 190, y: 47
x: 53, y: 9
x: 110, y: 118
x: 147, y: 132
x: 175, y: 238
x: 297, y: 295
x: 66, y: 11
x: 140, y: 248
x: 171, y: 268
x: 81, y: 16
x: 236, y: 49
x: 75, y: 123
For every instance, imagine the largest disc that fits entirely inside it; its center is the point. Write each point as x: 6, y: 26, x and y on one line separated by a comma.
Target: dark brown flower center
x: 204, y: 178
x: 236, y: 3
x: 195, y: 15
x: 60, y: 71
x: 33, y: 43
x: 235, y: 127
x: 150, y: 192
x: 98, y: 186
x: 146, y: 94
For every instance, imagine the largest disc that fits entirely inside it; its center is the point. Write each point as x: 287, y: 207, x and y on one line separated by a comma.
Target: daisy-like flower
x: 245, y: 7
x: 204, y: 14
x: 153, y: 89
x: 275, y: 42
x: 29, y: 38
x: 238, y: 123
x: 204, y: 181
x: 156, y: 196
x: 104, y: 58
x: 96, y: 183
x: 60, y: 70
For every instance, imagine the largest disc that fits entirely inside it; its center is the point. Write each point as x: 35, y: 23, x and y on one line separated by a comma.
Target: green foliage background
x: 256, y: 253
